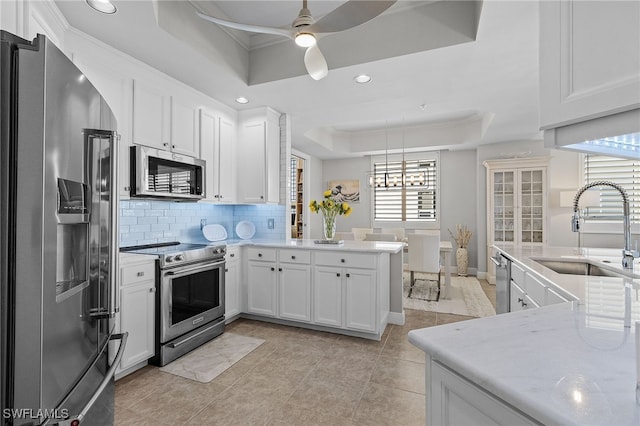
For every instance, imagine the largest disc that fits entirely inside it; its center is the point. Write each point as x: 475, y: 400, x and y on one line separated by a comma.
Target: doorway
x: 297, y: 196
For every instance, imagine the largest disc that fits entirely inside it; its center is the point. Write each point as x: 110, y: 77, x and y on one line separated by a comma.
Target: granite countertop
x: 353, y: 246
x: 570, y: 363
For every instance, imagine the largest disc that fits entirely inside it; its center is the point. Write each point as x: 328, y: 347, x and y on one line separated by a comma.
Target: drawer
x: 535, y: 289
x: 355, y: 260
x: 263, y: 254
x: 517, y: 274
x: 233, y: 253
x: 138, y: 273
x: 295, y: 256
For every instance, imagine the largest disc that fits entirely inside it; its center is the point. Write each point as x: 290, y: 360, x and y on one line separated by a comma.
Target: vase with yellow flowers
x: 329, y: 209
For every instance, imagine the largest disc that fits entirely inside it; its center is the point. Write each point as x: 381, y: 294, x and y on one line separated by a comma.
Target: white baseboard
x: 481, y: 275
x: 396, y: 318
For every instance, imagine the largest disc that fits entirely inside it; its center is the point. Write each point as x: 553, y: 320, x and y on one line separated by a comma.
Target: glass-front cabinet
x: 516, y: 203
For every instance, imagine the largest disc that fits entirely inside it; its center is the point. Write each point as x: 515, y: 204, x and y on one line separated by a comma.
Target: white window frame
x: 608, y: 226
x: 428, y: 155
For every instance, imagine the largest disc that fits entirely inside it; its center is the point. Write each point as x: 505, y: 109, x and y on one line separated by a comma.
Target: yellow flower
x: 348, y: 211
x: 327, y: 193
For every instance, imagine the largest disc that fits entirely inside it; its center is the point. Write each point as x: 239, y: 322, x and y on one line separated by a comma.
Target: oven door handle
x: 195, y: 269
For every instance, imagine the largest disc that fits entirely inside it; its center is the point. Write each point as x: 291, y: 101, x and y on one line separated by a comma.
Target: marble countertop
x: 353, y: 246
x: 570, y: 363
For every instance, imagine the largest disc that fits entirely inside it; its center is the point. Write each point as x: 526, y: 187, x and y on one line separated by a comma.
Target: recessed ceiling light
x: 362, y: 78
x: 104, y: 6
x: 242, y: 100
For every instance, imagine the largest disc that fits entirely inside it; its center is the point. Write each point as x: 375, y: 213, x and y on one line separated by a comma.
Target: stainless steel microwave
x: 162, y: 174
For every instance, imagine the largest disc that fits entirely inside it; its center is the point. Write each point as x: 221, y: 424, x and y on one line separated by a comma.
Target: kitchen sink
x: 579, y: 267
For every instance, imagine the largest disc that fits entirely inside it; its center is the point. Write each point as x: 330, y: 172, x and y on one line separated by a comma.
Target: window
x: 622, y: 171
x: 414, y: 201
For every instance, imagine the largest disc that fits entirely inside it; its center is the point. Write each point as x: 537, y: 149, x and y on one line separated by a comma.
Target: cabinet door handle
x: 262, y: 197
x: 152, y: 290
x: 342, y: 260
x: 279, y: 269
x: 338, y: 274
x: 259, y: 254
x: 273, y: 269
x: 520, y: 299
x: 232, y: 255
x: 165, y: 144
x: 348, y: 275
x: 293, y: 257
x: 524, y: 304
x: 140, y: 274
x: 226, y: 269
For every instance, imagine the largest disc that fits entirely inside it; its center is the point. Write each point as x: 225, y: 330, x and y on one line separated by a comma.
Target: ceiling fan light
x: 104, y: 6
x: 305, y: 39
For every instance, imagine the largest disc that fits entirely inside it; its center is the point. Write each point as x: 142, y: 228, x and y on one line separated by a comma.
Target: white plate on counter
x: 245, y: 229
x: 214, y: 232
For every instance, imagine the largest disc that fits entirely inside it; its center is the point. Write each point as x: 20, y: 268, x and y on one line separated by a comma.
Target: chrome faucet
x: 628, y: 254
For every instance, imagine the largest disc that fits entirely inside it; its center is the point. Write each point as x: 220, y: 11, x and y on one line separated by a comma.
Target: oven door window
x: 194, y: 294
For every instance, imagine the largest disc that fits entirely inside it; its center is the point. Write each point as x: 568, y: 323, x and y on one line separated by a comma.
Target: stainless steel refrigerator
x: 58, y: 239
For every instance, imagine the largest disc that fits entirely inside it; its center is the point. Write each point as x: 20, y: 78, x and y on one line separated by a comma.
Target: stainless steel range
x: 190, y: 296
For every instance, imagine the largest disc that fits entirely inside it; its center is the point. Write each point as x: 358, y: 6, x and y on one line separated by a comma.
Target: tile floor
x: 297, y: 377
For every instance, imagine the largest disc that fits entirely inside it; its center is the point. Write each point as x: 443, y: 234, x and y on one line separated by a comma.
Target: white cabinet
x: 151, y: 116
x: 163, y: 121
x: 589, y: 59
x: 516, y: 203
x: 528, y: 290
x: 217, y: 148
x: 279, y: 288
x: 454, y: 400
x: 259, y: 151
x: 232, y: 290
x: 345, y: 290
x: 137, y: 310
x: 262, y: 296
x: 184, y: 126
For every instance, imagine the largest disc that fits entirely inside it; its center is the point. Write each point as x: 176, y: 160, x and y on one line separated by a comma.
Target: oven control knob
x: 168, y: 259
x: 179, y: 257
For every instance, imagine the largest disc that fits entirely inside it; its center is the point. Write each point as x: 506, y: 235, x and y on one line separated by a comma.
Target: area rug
x: 466, y: 296
x: 211, y: 359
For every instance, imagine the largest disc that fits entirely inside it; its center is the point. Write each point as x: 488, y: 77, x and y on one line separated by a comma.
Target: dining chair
x: 424, y: 256
x: 398, y: 232
x: 360, y: 233
x: 380, y: 237
x: 345, y: 236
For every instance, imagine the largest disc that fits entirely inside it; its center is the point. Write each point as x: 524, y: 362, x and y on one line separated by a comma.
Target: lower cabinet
x: 453, y: 400
x: 232, y: 283
x: 529, y: 291
x: 137, y: 311
x: 345, y: 291
x: 345, y: 297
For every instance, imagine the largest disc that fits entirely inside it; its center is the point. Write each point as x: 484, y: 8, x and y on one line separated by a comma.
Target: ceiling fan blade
x: 315, y: 63
x: 246, y: 27
x: 350, y: 14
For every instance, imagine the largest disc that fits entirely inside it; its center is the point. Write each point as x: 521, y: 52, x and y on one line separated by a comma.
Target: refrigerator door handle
x: 112, y: 300
x: 76, y: 420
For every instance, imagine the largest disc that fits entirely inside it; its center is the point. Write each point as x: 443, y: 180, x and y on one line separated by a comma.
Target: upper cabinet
x: 163, y: 121
x: 217, y: 148
x: 259, y: 154
x: 589, y: 60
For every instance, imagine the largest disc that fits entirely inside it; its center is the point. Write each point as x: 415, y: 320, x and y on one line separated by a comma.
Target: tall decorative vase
x: 328, y: 227
x: 462, y: 261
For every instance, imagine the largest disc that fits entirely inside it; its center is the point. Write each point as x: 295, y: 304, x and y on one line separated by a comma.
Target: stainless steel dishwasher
x: 503, y: 279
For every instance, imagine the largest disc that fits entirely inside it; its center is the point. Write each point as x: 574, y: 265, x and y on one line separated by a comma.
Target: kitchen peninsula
x: 565, y: 363
x: 353, y: 288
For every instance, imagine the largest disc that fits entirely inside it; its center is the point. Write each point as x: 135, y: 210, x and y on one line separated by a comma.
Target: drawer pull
x: 348, y: 275
x: 259, y: 254
x: 273, y: 269
x: 226, y: 269
x: 232, y: 255
x: 293, y: 257
x: 342, y: 260
x: 338, y: 274
x: 279, y: 269
x: 140, y: 274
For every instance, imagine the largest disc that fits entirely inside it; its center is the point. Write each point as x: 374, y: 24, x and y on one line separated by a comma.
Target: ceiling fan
x: 305, y: 31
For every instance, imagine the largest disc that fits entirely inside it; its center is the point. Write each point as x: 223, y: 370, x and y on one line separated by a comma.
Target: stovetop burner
x: 176, y: 253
